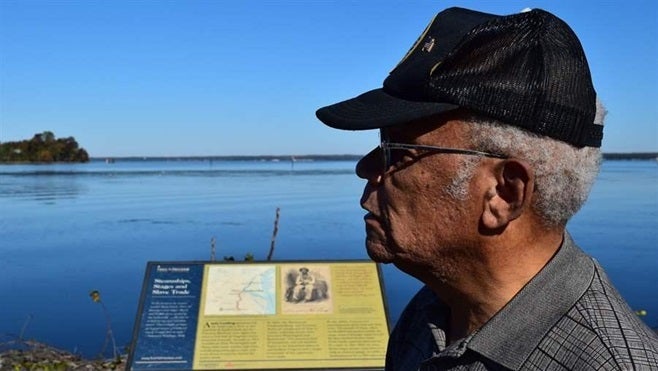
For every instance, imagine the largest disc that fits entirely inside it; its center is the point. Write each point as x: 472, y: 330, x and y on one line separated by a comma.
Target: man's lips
x: 374, y: 226
x: 371, y: 218
x: 376, y: 244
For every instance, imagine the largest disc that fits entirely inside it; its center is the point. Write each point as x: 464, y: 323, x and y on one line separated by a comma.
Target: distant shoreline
x: 302, y: 158
x: 628, y: 156
x: 631, y: 156
x: 282, y: 158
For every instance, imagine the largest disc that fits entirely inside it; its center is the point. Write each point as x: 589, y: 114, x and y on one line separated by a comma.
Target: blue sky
x: 188, y: 78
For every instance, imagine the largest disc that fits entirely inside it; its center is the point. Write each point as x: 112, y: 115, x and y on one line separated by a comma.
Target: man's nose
x: 370, y: 165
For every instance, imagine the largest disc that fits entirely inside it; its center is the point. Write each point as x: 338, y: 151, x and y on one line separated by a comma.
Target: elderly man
x: 490, y: 134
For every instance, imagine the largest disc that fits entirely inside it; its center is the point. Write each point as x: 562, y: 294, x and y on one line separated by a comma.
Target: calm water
x: 69, y: 229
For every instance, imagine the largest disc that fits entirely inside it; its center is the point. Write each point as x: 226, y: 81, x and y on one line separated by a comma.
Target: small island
x: 43, y: 148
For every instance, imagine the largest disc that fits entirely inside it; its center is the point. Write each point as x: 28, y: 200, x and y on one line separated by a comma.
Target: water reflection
x: 44, y: 188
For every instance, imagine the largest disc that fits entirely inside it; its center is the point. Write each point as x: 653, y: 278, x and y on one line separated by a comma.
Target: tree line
x: 43, y: 148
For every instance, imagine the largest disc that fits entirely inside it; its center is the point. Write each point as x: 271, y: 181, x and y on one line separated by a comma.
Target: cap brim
x: 377, y: 109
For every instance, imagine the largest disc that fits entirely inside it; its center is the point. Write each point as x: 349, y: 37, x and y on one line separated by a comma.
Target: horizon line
x: 641, y: 154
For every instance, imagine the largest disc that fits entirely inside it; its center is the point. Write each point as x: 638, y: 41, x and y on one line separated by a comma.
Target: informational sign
x: 260, y: 316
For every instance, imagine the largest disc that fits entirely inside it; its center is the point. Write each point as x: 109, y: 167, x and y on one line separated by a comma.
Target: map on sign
x: 240, y: 290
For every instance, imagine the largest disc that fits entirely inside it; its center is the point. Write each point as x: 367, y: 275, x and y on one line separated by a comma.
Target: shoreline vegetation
x: 34, y: 355
x: 43, y: 148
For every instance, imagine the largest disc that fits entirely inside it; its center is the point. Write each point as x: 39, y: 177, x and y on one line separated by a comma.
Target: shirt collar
x: 515, y: 331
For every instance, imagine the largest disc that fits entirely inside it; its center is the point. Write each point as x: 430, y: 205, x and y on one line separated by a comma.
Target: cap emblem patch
x: 429, y: 45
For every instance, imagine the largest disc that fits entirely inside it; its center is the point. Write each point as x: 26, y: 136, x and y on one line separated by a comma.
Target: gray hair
x: 564, y: 174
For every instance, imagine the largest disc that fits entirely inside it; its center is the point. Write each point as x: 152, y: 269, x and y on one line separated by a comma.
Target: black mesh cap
x: 527, y: 70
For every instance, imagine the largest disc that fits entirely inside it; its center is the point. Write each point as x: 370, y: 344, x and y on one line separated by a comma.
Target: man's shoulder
x: 604, y: 309
x: 601, y: 328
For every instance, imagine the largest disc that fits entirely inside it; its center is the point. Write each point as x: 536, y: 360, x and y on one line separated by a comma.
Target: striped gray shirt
x: 568, y: 317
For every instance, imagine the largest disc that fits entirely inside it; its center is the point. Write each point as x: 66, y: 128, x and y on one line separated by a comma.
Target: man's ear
x: 510, y: 195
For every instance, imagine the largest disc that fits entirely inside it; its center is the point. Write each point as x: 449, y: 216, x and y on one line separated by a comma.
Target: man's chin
x: 378, y: 252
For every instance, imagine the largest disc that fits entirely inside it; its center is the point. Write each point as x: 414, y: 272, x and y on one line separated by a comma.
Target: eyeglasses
x: 386, y: 148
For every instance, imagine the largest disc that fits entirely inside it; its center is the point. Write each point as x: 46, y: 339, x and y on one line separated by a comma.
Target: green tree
x: 43, y: 148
